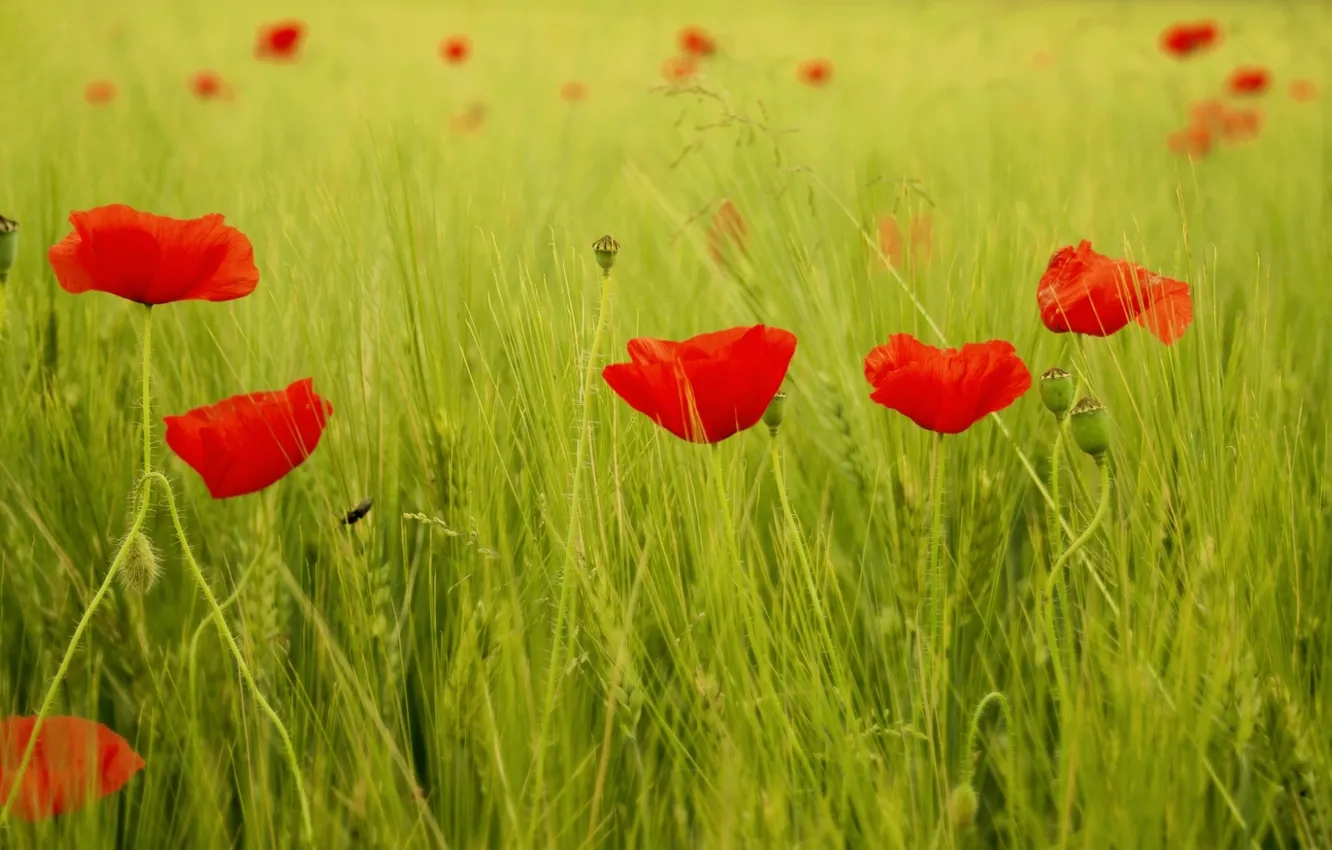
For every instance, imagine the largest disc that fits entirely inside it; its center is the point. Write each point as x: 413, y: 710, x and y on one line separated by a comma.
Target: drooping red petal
x: 75, y: 762
x: 945, y: 390
x: 153, y: 259
x: 248, y: 442
x: 1088, y: 293
x: 706, y: 388
x: 1169, y: 310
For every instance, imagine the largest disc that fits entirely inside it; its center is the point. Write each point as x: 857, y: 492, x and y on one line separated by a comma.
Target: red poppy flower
x: 245, y: 443
x: 695, y: 41
x: 455, y: 49
x: 1241, y: 125
x: 946, y: 390
x: 280, y: 42
x: 1249, y: 81
x: 99, y: 92
x: 892, y: 245
x: 1186, y: 39
x: 678, y: 69
x: 209, y: 85
x: 1303, y: 90
x: 153, y: 259
x: 1209, y: 113
x: 1193, y: 141
x: 1088, y: 293
x: 728, y: 232
x: 573, y: 91
x: 815, y: 72
x: 706, y: 388
x: 75, y: 762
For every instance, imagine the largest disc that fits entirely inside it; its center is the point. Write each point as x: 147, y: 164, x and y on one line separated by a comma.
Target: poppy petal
x: 75, y: 762
x: 1170, y: 311
x: 945, y: 390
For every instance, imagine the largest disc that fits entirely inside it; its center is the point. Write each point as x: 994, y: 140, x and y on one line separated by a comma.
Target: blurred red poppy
x: 728, y: 232
x: 1303, y: 90
x: 815, y: 72
x: 99, y: 92
x: 1241, y: 125
x: 946, y: 390
x: 1088, y: 293
x: 1185, y: 39
x: 1194, y: 141
x: 469, y: 121
x: 695, y: 41
x: 573, y: 91
x: 455, y: 49
x: 1210, y: 112
x: 153, y: 259
x: 708, y: 387
x: 678, y: 68
x: 1249, y: 81
x: 209, y: 85
x: 892, y: 245
x: 280, y: 42
x: 245, y: 443
x: 74, y: 763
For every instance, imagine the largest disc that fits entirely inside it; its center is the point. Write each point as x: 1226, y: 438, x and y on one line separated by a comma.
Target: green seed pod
x: 8, y: 246
x: 606, y: 248
x: 772, y: 417
x: 141, y: 568
x: 963, y: 804
x: 1057, y: 388
x: 1090, y: 424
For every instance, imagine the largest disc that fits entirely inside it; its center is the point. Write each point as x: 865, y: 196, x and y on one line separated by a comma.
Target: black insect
x: 358, y: 513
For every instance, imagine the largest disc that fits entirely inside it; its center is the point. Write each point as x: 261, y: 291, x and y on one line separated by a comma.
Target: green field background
x: 440, y: 288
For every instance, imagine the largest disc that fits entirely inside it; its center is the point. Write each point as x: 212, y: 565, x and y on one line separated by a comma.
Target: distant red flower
x: 1194, y: 141
x: 75, y: 762
x: 209, y: 85
x: 280, y: 42
x: 1241, y: 125
x: 1210, y: 113
x: 946, y: 390
x: 153, y: 259
x: 728, y: 232
x: 573, y: 91
x: 1249, y: 81
x: 455, y: 49
x: 245, y: 443
x: 708, y: 387
x: 815, y: 72
x: 1303, y: 90
x: 892, y: 245
x: 469, y: 121
x: 1088, y: 293
x: 678, y: 68
x: 1185, y: 39
x: 99, y: 92
x: 695, y: 41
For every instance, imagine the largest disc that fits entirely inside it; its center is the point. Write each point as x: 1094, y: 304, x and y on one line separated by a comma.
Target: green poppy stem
x: 570, y: 562
x: 84, y: 623
x: 1055, y: 512
x: 307, y: 826
x: 973, y: 732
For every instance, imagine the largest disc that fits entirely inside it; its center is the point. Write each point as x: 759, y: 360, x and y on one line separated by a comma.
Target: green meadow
x: 561, y: 627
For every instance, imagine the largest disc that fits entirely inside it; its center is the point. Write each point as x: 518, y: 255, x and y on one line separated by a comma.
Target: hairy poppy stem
x: 1055, y: 513
x: 220, y: 621
x: 566, y: 580
x: 973, y: 732
x: 1057, y: 573
x: 145, y: 487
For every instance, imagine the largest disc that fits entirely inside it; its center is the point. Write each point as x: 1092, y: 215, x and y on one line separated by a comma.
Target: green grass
x: 442, y: 291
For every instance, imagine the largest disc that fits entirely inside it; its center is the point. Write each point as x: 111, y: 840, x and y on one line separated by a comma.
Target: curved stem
x: 230, y: 640
x: 1057, y: 572
x: 973, y: 731
x: 566, y: 580
x: 225, y: 604
x: 16, y: 778
x: 147, y: 399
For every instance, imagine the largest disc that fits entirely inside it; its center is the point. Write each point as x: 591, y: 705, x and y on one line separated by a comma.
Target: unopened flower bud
x: 606, y: 248
x: 772, y: 417
x: 963, y: 804
x: 1057, y: 387
x: 1090, y: 424
x: 8, y: 246
x: 141, y: 568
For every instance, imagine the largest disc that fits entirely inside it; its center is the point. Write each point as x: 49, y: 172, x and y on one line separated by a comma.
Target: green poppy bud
x: 963, y: 804
x: 8, y: 246
x: 141, y: 568
x: 1057, y: 388
x: 772, y: 417
x: 1090, y: 424
x: 606, y: 248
